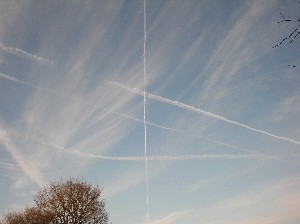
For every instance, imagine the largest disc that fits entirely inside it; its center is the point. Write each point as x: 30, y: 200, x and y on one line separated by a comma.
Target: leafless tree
x: 293, y: 34
x: 74, y: 202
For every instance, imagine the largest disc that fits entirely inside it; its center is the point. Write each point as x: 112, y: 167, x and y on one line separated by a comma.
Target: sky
x: 183, y: 111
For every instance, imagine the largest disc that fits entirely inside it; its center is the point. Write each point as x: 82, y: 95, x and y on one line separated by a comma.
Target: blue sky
x: 222, y: 107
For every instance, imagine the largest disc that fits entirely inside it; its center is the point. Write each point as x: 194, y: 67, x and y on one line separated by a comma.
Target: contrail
x: 139, y: 120
x: 174, y: 129
x: 197, y: 110
x: 22, y: 53
x: 162, y: 158
x: 14, y: 79
x: 145, y: 123
x: 173, y: 158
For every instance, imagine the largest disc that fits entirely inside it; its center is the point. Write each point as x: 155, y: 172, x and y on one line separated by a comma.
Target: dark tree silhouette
x: 73, y: 201
x: 32, y: 215
x: 293, y: 34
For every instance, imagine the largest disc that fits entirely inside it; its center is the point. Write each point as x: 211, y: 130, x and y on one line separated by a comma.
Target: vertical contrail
x: 145, y: 123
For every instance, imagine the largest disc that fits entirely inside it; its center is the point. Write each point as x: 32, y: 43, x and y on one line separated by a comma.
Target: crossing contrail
x: 197, y: 110
x: 22, y: 53
x: 11, y: 78
x: 168, y: 101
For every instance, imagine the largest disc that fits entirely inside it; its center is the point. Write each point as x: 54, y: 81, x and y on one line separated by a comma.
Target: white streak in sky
x: 174, y: 129
x: 14, y: 79
x: 22, y: 53
x: 161, y: 158
x: 196, y: 110
x: 145, y: 123
x: 26, y: 167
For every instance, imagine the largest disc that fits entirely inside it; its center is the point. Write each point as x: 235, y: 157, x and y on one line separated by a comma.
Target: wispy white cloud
x: 69, y: 109
x: 28, y: 168
x: 22, y: 53
x: 127, y: 180
x: 270, y: 202
x: 288, y: 107
x: 173, y: 217
x: 236, y: 48
x: 12, y: 12
x: 274, y: 201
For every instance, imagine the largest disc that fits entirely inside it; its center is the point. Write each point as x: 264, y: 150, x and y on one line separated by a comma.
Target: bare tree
x: 293, y: 34
x: 74, y: 202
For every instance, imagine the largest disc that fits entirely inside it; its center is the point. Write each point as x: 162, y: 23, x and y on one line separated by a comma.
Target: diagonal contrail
x: 197, y: 110
x: 22, y: 53
x: 168, y: 101
x: 14, y: 79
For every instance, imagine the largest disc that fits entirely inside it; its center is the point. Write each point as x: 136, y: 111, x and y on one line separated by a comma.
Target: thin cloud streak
x: 160, y: 158
x: 26, y: 167
x: 272, y: 201
x: 275, y: 201
x: 127, y: 180
x: 14, y: 79
x: 22, y: 53
x: 197, y: 110
x: 172, y: 217
x: 195, y: 135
